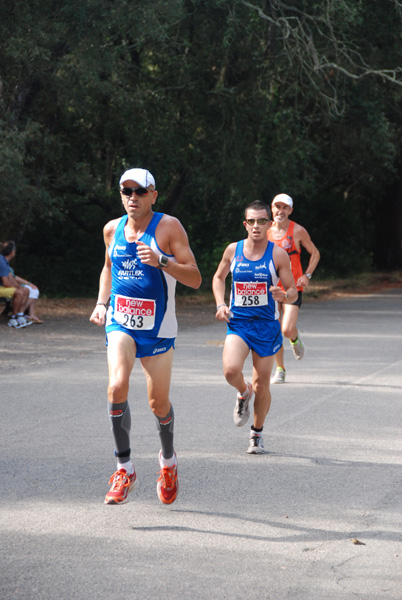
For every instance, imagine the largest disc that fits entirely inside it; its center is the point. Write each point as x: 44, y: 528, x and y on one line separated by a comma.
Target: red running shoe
x: 168, y: 484
x: 121, y: 485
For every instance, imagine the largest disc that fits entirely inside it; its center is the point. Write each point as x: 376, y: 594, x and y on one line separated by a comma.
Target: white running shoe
x: 241, y: 412
x: 298, y: 347
x: 17, y: 322
x: 256, y: 445
x: 279, y: 376
x: 24, y: 321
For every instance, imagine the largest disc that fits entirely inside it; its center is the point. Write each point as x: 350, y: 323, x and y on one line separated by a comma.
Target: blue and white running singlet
x: 250, y: 297
x: 143, y: 297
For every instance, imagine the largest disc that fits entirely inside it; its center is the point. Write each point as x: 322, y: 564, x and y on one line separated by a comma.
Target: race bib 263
x: 134, y: 313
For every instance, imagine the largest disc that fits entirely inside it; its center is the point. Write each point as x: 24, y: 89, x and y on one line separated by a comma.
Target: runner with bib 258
x: 256, y: 265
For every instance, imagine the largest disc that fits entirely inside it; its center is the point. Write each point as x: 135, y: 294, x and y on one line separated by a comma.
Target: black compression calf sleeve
x: 165, y: 429
x: 120, y: 418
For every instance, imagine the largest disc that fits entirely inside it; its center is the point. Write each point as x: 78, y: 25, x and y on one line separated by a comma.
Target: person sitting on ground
x: 33, y: 290
x: 10, y: 288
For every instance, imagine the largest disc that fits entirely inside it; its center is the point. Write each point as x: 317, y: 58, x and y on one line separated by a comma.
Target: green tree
x: 224, y: 101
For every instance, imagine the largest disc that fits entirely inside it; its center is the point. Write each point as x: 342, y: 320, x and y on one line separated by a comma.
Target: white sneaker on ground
x: 279, y: 376
x: 241, y: 412
x: 23, y: 321
x: 256, y: 445
x: 14, y: 322
x: 298, y: 347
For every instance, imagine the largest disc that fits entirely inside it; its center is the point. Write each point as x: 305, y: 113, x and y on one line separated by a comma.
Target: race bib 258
x: 251, y: 293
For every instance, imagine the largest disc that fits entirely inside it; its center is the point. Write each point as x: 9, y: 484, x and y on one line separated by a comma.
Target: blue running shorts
x: 262, y: 336
x: 146, y: 346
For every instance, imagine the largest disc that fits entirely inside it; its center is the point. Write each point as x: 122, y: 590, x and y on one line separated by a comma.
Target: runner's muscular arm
x: 105, y: 281
x: 282, y: 264
x: 219, y: 280
x: 185, y: 270
x: 172, y: 236
x: 303, y: 238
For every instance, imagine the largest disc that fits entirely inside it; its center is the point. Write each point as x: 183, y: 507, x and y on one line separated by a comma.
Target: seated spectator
x: 33, y: 296
x: 10, y: 288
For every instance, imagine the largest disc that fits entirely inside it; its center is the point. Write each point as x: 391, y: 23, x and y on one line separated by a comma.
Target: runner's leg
x: 121, y: 356
x: 279, y: 356
x: 158, y: 372
x: 262, y: 367
x: 235, y: 352
x: 289, y: 321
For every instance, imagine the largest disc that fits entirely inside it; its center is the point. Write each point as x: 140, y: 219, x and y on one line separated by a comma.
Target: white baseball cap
x: 283, y: 198
x: 141, y: 176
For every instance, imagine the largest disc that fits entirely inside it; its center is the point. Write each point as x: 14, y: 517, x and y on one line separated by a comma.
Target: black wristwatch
x: 163, y: 261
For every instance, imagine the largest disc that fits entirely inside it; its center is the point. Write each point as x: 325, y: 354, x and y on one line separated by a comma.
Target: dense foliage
x: 224, y: 101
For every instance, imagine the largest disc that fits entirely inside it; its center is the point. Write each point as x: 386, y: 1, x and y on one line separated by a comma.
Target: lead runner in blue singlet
x: 252, y: 317
x: 146, y: 253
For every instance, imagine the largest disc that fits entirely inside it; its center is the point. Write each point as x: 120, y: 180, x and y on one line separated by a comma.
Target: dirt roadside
x: 67, y: 333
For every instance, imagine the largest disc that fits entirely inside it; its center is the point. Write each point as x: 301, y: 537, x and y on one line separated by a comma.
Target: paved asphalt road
x: 278, y: 527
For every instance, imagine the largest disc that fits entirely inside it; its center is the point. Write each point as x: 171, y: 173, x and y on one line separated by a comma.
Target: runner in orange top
x: 291, y: 237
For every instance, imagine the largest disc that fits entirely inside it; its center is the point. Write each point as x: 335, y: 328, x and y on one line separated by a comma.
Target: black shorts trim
x: 299, y: 300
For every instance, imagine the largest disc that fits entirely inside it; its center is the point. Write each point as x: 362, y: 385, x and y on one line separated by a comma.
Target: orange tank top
x: 287, y: 243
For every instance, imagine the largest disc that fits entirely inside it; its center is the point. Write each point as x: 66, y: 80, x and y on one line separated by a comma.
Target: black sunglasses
x: 139, y: 191
x: 259, y: 221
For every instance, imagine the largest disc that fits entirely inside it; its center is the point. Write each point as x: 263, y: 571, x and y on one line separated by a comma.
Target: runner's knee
x: 159, y: 406
x: 117, y: 391
x: 261, y: 384
x: 230, y: 372
x: 289, y: 331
